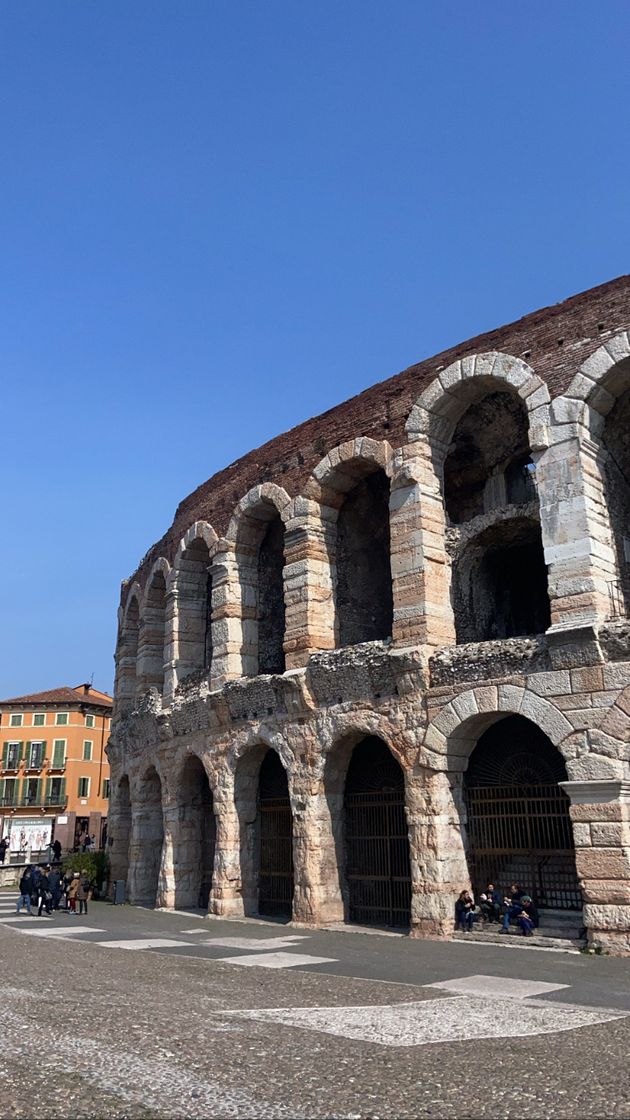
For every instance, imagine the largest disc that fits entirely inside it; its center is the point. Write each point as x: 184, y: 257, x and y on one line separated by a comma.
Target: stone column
x: 170, y: 643
x: 317, y: 896
x: 227, y: 628
x: 226, y: 896
x: 439, y: 870
x: 420, y: 565
x: 575, y: 529
x: 600, y: 812
x: 308, y: 581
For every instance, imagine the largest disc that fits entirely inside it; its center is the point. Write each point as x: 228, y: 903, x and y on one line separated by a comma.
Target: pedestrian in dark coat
x: 465, y: 911
x: 26, y: 889
x: 4, y: 844
x: 44, y: 896
x: 84, y: 892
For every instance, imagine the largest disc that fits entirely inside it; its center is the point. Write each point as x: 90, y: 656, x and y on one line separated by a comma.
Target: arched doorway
x: 363, y: 593
x: 194, y: 850
x: 377, y: 868
x: 275, y: 873
x: 519, y: 829
x: 119, y: 831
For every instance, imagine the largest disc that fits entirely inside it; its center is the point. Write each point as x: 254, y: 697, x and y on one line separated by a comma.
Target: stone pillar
x: 308, y: 581
x: 420, y: 566
x: 226, y: 896
x: 575, y: 530
x: 439, y: 870
x: 170, y: 643
x: 317, y: 896
x: 227, y: 630
x: 600, y: 812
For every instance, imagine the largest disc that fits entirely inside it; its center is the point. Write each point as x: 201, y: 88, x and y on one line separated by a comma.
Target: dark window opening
x: 364, y: 599
x: 271, y: 612
x: 275, y: 880
x: 616, y: 443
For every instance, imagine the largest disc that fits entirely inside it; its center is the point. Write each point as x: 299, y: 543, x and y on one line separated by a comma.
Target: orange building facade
x: 54, y: 773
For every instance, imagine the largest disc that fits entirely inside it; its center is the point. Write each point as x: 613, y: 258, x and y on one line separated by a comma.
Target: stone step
x: 537, y: 940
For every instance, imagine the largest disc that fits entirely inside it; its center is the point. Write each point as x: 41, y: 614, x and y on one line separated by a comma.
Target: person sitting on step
x: 465, y: 911
x: 513, y: 906
x: 490, y: 904
x: 525, y: 924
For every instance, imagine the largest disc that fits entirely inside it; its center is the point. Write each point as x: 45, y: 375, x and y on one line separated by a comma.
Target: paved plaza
x: 140, y: 1013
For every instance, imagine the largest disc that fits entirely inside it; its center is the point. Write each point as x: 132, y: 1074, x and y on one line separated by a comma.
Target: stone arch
x: 152, y: 635
x: 249, y: 775
x: 147, y: 839
x: 365, y: 783
x: 193, y: 832
x: 353, y: 486
x: 190, y: 595
x: 127, y: 651
x: 586, y: 537
x: 256, y: 532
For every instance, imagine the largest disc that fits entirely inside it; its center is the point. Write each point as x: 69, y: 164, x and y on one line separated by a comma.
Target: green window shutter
x: 57, y: 759
x: 22, y: 787
x: 20, y: 752
x: 48, y: 790
x: 5, y: 752
x: 2, y: 787
x: 62, y: 794
x: 16, y: 791
x: 44, y: 750
x: 27, y: 753
x: 38, y: 792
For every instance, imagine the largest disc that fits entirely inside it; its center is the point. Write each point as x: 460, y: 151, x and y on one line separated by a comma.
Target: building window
x: 12, y: 756
x: 87, y: 750
x: 8, y: 791
x: 106, y: 782
x: 56, y: 791
x: 84, y: 787
x: 15, y: 719
x: 89, y: 721
x: 61, y: 719
x: 35, y: 755
x: 59, y: 754
x: 39, y: 719
x: 31, y: 791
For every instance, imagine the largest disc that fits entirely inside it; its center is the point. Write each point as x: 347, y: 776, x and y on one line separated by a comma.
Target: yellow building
x: 54, y: 774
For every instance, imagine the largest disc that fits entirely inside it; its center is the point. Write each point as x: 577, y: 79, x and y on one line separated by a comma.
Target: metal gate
x: 377, y: 858
x: 275, y: 881
x: 522, y: 834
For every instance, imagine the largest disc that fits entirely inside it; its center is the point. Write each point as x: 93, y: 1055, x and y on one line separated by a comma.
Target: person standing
x: 84, y: 892
x: 57, y: 851
x: 26, y: 887
x: 4, y: 844
x: 54, y: 883
x: 73, y: 890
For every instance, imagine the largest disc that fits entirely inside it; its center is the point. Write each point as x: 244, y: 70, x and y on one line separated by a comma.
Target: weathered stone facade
x: 447, y: 551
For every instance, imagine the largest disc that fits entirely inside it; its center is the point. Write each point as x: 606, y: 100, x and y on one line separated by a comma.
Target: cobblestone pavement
x: 94, y: 1030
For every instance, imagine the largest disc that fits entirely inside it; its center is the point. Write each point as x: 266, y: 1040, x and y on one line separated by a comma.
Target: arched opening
x: 499, y: 584
x: 499, y: 577
x: 377, y: 867
x: 519, y: 829
x: 616, y: 444
x: 151, y: 639
x: 363, y: 592
x: 275, y: 877
x: 127, y: 659
x: 119, y: 831
x: 194, y: 610
x: 270, y: 611
x: 147, y: 839
x: 195, y: 837
x: 488, y: 464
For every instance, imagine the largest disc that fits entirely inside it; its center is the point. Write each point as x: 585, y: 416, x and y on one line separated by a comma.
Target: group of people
x: 52, y: 853
x: 518, y: 907
x: 49, y: 889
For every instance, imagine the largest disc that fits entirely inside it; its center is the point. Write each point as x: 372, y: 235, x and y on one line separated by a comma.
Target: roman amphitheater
x: 387, y: 655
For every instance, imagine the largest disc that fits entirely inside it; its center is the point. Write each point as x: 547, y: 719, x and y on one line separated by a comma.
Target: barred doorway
x: 275, y: 878
x: 519, y: 829
x: 378, y: 873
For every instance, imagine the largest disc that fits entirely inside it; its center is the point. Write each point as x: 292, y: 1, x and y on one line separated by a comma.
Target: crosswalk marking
x: 495, y: 987
x: 143, y: 943
x: 277, y: 960
x: 62, y: 931
x: 257, y: 944
x: 24, y: 916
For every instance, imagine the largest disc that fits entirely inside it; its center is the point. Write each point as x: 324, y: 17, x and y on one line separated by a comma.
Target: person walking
x: 26, y: 887
x: 57, y: 851
x: 44, y: 895
x: 4, y: 844
x: 84, y: 892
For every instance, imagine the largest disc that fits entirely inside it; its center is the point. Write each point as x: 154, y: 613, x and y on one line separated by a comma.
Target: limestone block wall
x: 200, y: 617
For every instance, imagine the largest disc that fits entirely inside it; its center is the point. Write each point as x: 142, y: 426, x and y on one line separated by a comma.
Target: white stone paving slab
x: 493, y: 987
x: 278, y: 960
x: 24, y: 915
x: 258, y: 944
x: 142, y: 943
x: 459, y: 1019
x: 62, y: 931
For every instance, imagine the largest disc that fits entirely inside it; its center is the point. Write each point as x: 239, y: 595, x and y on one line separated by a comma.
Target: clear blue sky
x: 220, y: 218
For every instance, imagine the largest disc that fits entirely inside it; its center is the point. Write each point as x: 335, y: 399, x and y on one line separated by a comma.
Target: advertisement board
x: 29, y: 834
